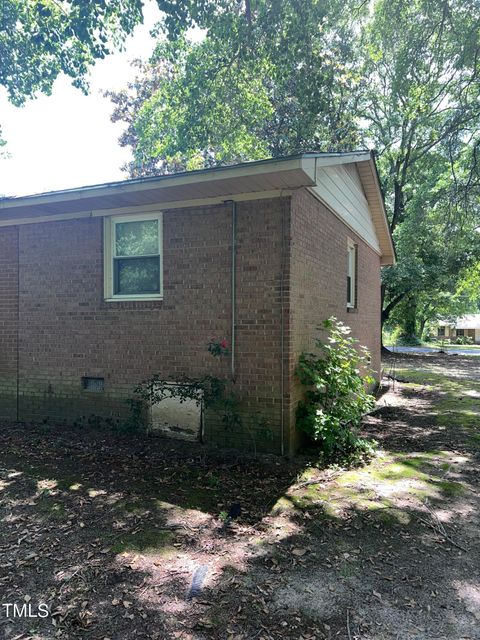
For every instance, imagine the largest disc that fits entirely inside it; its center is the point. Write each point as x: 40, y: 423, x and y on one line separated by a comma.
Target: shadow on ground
x: 108, y: 531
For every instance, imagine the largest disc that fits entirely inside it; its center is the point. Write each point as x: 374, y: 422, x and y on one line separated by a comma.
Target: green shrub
x: 397, y: 337
x: 336, y: 394
x: 391, y: 336
x: 408, y: 341
x: 463, y: 340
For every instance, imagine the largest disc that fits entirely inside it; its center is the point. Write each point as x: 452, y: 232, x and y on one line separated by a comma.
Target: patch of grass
x: 399, y: 471
x: 449, y: 488
x: 51, y: 508
x: 149, y: 540
x: 455, y: 408
x: 416, y: 463
x: 459, y: 412
x: 439, y: 381
x: 394, y: 516
x: 375, y: 487
x: 301, y: 502
x: 283, y: 505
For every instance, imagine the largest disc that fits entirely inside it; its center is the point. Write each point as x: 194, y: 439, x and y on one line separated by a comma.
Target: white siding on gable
x: 340, y: 188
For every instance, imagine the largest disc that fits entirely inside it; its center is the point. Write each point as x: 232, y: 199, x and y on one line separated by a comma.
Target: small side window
x: 351, y: 275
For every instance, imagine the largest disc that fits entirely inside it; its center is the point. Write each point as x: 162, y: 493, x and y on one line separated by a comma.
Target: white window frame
x: 109, y: 252
x: 352, y: 272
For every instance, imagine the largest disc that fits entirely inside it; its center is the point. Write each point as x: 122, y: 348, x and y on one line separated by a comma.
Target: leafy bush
x: 397, y: 337
x: 408, y: 341
x: 391, y: 336
x: 336, y: 397
x: 463, y: 340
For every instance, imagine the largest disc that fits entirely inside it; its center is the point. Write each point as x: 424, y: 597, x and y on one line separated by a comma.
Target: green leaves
x: 277, y: 82
x: 423, y: 109
x: 40, y: 39
x: 335, y: 398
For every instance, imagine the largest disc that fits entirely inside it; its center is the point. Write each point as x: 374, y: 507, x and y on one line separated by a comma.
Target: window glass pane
x: 351, y: 260
x: 138, y: 238
x: 136, y: 275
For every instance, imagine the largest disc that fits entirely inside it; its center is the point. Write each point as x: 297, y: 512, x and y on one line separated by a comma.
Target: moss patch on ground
x: 148, y: 540
x: 51, y: 508
x: 379, y: 486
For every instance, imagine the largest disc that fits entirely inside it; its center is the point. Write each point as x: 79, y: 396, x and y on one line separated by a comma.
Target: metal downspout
x: 233, y: 288
x: 282, y: 334
x: 17, y: 410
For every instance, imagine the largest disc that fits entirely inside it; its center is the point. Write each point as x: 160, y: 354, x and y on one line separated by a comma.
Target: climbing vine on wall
x: 214, y: 393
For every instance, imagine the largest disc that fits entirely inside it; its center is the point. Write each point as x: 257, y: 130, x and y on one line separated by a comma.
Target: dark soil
x: 108, y: 530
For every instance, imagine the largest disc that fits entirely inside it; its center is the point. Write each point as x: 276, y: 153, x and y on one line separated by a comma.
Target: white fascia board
x: 343, y: 158
x: 391, y: 249
x: 146, y: 208
x: 163, y: 182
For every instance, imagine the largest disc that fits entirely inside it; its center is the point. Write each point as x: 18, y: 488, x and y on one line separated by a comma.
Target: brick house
x: 102, y: 286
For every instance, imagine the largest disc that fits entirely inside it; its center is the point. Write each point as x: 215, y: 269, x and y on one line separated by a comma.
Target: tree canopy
x: 277, y: 77
x: 423, y: 112
x: 272, y: 78
x: 267, y: 83
x: 39, y: 39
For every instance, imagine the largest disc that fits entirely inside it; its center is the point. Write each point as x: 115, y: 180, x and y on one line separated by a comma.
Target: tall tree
x: 423, y: 109
x: 273, y: 78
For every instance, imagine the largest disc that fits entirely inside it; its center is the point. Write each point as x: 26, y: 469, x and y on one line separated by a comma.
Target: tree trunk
x: 421, y: 326
x: 391, y: 306
x: 410, y: 326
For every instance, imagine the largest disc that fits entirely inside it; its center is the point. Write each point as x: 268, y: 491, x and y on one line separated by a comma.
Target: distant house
x: 468, y: 326
x: 103, y: 286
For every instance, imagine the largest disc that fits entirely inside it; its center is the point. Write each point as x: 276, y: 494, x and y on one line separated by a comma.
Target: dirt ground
x: 108, y: 530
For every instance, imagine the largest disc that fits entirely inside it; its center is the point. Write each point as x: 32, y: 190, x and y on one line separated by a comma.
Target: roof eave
x: 278, y: 175
x: 377, y: 208
x: 222, y: 182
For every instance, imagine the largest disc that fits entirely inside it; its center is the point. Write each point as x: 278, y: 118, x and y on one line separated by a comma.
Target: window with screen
x: 133, y: 257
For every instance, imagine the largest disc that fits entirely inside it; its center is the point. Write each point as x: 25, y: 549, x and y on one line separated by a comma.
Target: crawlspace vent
x: 96, y: 385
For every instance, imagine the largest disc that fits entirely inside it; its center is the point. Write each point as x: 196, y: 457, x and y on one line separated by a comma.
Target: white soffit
x: 346, y: 182
x: 221, y: 182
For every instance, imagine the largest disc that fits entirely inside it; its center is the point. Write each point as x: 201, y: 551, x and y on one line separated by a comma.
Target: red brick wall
x: 67, y: 330
x: 289, y: 256
x: 318, y: 259
x: 8, y: 322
